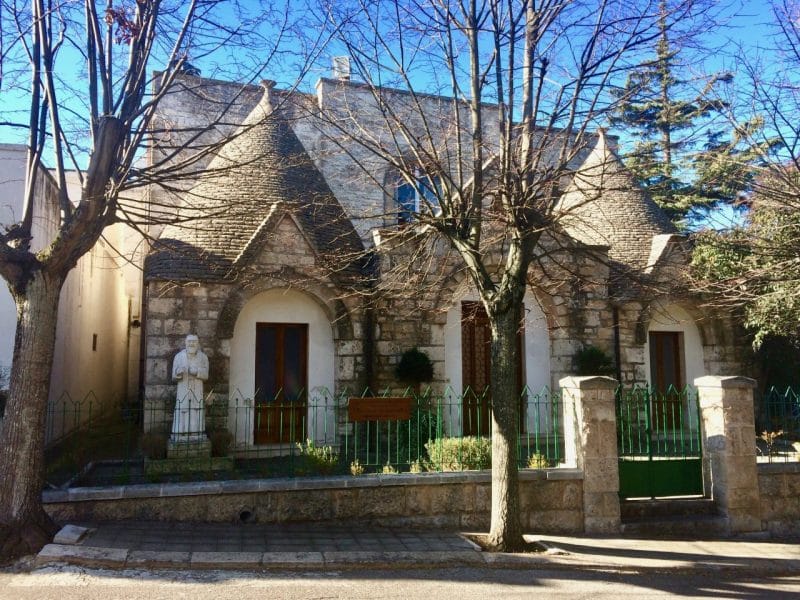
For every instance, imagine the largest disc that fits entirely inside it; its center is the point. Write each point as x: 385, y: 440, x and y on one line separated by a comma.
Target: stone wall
x: 551, y: 501
x: 779, y: 490
x: 725, y: 350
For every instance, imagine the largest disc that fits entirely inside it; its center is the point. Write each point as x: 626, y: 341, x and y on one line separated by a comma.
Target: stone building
x: 279, y: 261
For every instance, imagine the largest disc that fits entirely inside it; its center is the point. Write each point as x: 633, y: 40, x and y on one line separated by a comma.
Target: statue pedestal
x: 198, y: 446
x: 188, y: 454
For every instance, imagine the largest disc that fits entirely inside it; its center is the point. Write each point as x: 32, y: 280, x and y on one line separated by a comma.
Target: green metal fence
x: 306, y: 435
x: 659, y: 442
x: 778, y: 426
x: 653, y: 423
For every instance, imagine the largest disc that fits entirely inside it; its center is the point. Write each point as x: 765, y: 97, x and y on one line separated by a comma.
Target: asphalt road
x: 68, y: 583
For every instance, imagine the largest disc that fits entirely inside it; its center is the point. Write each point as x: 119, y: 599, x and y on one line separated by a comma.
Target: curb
x: 117, y: 558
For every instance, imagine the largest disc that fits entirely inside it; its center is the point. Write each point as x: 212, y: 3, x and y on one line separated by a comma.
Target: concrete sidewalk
x: 315, y: 546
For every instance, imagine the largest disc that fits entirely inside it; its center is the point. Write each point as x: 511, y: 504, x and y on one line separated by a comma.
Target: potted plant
x: 415, y: 367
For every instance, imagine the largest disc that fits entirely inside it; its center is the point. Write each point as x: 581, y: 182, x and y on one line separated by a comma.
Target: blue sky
x: 741, y: 25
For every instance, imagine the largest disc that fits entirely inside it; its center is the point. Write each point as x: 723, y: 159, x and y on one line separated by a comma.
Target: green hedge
x: 460, y: 454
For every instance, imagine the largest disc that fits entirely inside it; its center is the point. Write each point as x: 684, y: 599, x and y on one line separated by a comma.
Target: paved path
x: 323, y: 546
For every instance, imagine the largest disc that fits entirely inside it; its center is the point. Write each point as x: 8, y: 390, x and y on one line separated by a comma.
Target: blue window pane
x: 405, y: 199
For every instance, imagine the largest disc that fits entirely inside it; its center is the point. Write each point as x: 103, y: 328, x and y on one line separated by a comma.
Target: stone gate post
x: 729, y: 448
x: 590, y: 438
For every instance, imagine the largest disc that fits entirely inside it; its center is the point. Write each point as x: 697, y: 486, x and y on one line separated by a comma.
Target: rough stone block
x: 418, y: 500
x: 70, y: 534
x: 446, y: 498
x: 84, y: 556
x: 166, y: 307
x: 316, y: 505
x: 600, y: 475
x: 200, y: 448
x: 383, y: 503
x: 156, y: 370
x: 177, y: 327
x: 772, y: 486
x: 211, y: 560
x: 555, y: 521
x: 743, y: 521
x: 600, y: 525
x: 743, y: 498
x: 792, y: 484
x: 149, y: 558
x: 291, y: 559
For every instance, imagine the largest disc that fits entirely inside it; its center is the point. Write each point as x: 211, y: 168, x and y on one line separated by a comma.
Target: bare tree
x: 498, y: 104
x: 96, y: 116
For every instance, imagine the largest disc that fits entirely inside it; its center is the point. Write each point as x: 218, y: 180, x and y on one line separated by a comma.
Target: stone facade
x: 295, y: 213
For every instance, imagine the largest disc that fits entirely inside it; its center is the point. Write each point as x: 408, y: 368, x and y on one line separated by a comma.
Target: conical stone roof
x: 604, y: 205
x: 258, y: 176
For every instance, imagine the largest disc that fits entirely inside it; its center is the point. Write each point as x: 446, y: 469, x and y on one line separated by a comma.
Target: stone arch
x: 706, y: 326
x: 327, y: 298
x: 675, y: 316
x: 536, y: 352
x: 285, y: 306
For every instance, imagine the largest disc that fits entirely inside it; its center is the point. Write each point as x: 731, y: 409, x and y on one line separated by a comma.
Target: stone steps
x: 692, y: 518
x: 640, y: 509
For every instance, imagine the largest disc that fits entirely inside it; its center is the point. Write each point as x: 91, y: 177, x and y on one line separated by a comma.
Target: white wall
x: 94, y: 301
x: 536, y: 352
x: 280, y: 306
x: 671, y: 317
x: 44, y: 223
x: 88, y: 379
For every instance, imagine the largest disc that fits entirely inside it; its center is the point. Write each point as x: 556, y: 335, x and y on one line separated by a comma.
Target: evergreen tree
x: 664, y: 112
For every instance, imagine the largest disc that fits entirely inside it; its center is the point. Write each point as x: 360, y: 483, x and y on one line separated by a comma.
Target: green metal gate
x: 659, y: 443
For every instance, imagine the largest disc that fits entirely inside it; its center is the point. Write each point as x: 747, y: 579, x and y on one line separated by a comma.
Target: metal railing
x: 302, y: 435
x: 778, y: 426
x: 658, y: 424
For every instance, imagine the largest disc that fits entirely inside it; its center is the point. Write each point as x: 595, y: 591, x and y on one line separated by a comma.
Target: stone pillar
x: 590, y: 439
x: 729, y: 448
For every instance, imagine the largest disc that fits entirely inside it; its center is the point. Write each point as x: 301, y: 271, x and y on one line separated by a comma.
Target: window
x: 410, y: 199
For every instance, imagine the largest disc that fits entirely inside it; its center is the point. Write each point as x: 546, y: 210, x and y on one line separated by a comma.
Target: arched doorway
x: 281, y: 369
x: 467, y: 338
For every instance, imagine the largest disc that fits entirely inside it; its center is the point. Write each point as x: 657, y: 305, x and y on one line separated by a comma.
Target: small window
x: 412, y: 199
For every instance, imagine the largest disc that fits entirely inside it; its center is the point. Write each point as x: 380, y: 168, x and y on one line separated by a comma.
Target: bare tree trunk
x: 26, y: 527
x: 505, y: 533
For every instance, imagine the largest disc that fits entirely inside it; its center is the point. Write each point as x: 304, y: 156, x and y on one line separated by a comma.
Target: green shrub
x: 356, y: 468
x: 415, y: 367
x: 318, y: 459
x: 154, y: 445
x: 591, y: 360
x: 388, y: 469
x: 459, y: 454
x: 414, y: 434
x: 538, y: 461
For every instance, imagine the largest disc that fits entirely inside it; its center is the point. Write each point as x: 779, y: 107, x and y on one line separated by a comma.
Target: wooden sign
x: 397, y: 408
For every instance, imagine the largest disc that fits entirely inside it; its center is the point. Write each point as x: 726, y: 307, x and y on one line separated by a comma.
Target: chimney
x: 341, y: 68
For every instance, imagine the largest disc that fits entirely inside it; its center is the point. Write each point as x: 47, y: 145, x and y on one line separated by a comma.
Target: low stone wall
x: 779, y: 490
x: 551, y: 501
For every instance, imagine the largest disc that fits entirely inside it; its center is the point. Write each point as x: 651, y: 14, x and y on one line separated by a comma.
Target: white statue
x: 190, y: 370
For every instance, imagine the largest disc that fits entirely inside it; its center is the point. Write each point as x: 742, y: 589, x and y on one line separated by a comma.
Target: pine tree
x: 664, y: 113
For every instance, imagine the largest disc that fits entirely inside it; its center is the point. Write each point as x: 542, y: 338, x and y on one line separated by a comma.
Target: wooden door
x: 281, y: 382
x: 476, y: 348
x: 666, y: 376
